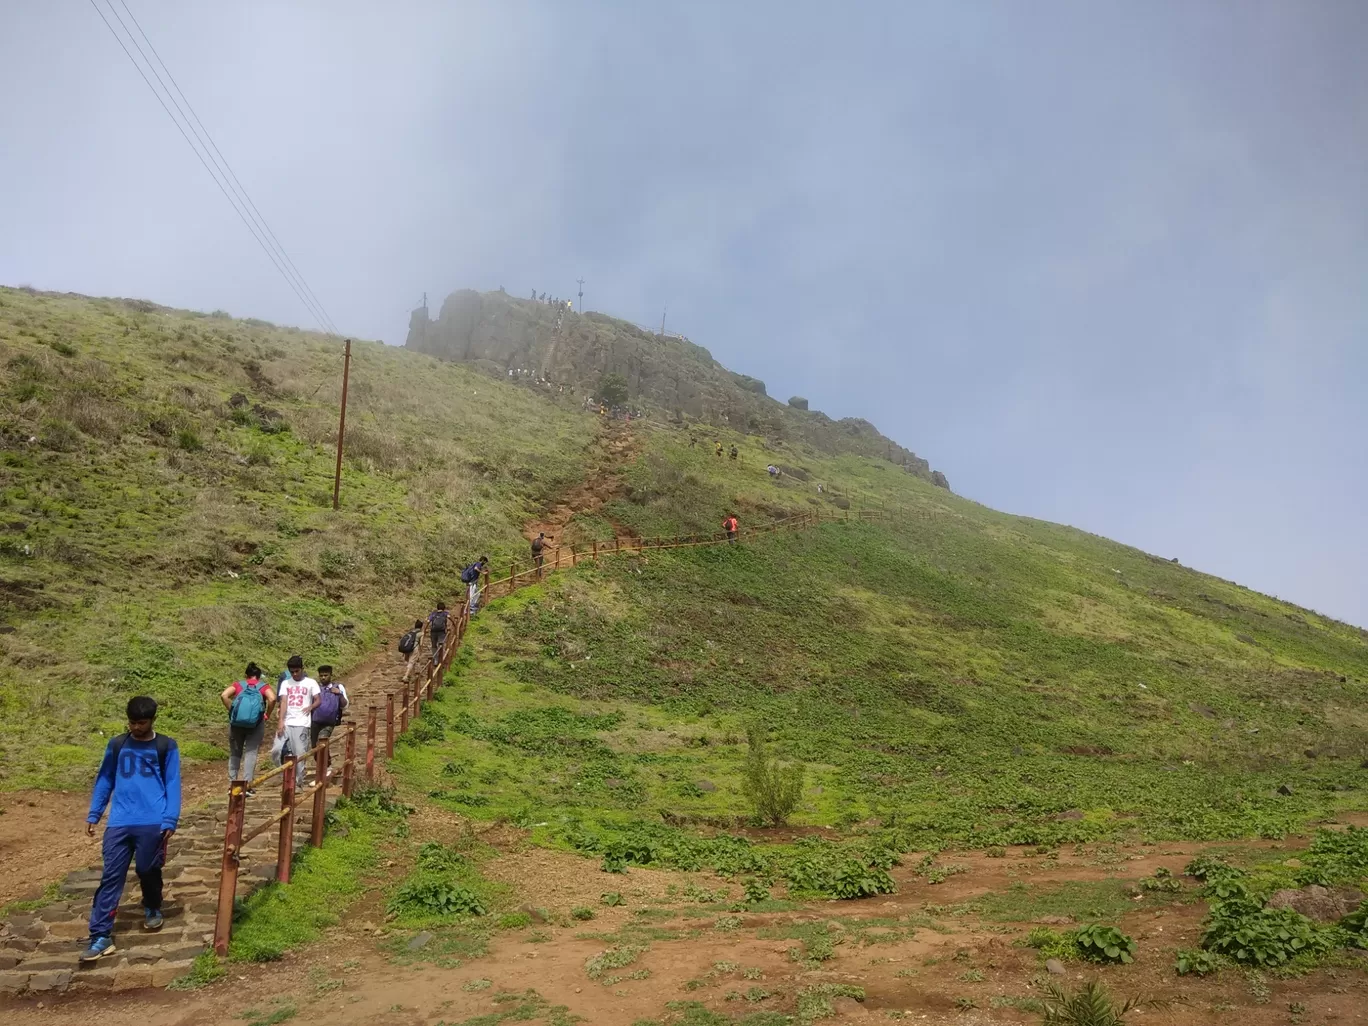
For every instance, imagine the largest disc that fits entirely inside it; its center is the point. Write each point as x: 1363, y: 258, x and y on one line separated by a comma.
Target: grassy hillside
x: 157, y: 533
x: 953, y: 671
x: 965, y: 676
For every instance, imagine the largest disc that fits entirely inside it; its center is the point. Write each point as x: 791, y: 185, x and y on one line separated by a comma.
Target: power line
x: 319, y: 314
x: 221, y: 161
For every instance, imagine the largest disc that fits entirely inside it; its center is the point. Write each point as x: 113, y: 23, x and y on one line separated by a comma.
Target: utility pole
x: 662, y: 323
x: 342, y: 421
x: 580, y: 282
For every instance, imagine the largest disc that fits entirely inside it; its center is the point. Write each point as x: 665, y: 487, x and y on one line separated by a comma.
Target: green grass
x: 323, y: 882
x: 1084, y: 900
x: 205, y: 970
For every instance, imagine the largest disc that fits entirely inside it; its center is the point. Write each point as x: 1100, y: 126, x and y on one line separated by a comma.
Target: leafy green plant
x: 772, y: 788
x: 613, y: 958
x: 1195, y: 962
x: 436, y: 897
x: 612, y: 898
x: 1263, y: 936
x: 1052, y: 944
x: 1098, y: 942
x: 1090, y: 1005
x: 1162, y: 880
x: 582, y: 913
x: 756, y: 891
x: 1355, y: 926
x: 435, y: 857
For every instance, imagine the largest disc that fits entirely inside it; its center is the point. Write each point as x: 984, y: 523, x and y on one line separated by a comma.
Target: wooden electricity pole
x: 342, y: 421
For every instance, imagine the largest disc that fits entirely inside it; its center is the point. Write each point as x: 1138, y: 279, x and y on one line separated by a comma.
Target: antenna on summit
x: 580, y: 282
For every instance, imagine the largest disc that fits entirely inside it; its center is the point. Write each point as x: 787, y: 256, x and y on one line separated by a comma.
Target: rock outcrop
x: 499, y: 334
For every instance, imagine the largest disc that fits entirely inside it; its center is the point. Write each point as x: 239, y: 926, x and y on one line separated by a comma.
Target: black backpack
x: 470, y: 574
x: 438, y: 620
x: 408, y: 642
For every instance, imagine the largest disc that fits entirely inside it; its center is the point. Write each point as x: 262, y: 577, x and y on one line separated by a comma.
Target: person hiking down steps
x: 731, y: 526
x: 250, y: 703
x: 734, y: 452
x: 139, y: 781
x: 438, y: 621
x: 409, y: 647
x: 332, y: 704
x: 298, y: 700
x: 538, y: 544
x: 470, y: 576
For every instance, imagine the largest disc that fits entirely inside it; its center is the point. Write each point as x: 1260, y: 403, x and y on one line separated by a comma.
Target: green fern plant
x: 1090, y: 1005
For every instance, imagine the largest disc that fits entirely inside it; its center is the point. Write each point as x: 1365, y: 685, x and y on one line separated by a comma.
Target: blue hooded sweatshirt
x: 140, y: 796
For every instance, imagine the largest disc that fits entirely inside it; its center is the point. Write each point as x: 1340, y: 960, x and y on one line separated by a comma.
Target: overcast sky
x: 1101, y: 263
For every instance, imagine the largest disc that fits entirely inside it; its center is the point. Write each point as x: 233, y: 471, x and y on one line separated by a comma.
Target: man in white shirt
x: 298, y: 697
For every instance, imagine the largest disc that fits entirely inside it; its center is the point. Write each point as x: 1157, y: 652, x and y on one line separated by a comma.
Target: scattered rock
x: 706, y: 786
x: 420, y: 941
x: 1323, y: 904
x: 1285, y: 790
x: 1310, y: 753
x: 237, y: 399
x: 1054, y: 967
x: 1202, y: 710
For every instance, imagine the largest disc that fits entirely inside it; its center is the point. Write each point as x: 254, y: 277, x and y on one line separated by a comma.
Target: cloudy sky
x: 1102, y: 263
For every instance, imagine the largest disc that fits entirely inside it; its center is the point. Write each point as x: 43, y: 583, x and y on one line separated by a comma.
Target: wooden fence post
x: 432, y: 680
x: 404, y: 709
x: 285, y: 845
x: 349, y: 767
x: 228, y: 872
x: 320, y: 797
x: 574, y: 556
x: 389, y: 725
x: 370, y: 744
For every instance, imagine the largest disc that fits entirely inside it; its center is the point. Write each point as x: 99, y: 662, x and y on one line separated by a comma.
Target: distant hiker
x: 471, y: 577
x: 332, y: 703
x: 731, y: 526
x: 298, y: 700
x: 409, y: 646
x: 438, y: 622
x: 733, y: 452
x: 820, y: 490
x: 139, y: 780
x: 250, y: 703
x: 534, y: 294
x: 538, y: 544
x: 772, y: 470
x: 603, y: 410
x: 719, y: 449
x: 693, y: 442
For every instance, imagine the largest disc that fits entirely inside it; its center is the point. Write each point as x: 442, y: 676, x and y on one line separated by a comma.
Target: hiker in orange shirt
x: 731, y: 526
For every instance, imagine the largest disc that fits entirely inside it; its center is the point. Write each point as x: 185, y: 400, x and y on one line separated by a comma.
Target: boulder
x: 1323, y: 904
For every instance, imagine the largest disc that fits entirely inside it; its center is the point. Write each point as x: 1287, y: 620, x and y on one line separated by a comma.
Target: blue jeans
x: 145, y: 847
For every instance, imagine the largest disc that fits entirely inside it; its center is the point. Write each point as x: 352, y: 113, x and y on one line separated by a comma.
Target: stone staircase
x: 39, y: 949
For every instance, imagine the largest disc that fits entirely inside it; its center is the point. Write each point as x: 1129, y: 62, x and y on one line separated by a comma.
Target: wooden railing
x: 236, y: 834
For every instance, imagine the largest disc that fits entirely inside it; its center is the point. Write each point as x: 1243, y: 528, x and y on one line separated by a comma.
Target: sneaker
x: 152, y: 919
x: 98, y: 948
x: 250, y: 792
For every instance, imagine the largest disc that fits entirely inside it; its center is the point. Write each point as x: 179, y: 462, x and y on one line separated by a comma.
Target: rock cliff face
x: 498, y: 333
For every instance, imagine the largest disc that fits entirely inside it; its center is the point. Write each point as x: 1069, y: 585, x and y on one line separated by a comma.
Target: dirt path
x: 925, y: 954
x: 611, y: 452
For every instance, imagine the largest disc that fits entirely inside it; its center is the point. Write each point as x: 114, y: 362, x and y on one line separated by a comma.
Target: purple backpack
x: 329, y: 711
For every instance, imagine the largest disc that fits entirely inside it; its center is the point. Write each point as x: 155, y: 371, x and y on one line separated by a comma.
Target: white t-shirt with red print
x: 296, y: 696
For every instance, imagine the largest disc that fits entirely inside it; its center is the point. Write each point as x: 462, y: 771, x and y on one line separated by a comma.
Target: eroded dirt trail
x: 611, y: 452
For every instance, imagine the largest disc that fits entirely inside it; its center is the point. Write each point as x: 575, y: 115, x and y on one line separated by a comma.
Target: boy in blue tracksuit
x: 141, y: 774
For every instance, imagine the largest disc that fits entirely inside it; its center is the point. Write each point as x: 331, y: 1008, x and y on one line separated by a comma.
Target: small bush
x: 582, y: 913
x: 756, y: 891
x: 772, y: 788
x: 188, y: 441
x: 612, y: 898
x: 1162, y: 880
x: 435, y: 898
x: 1051, y: 943
x: 1090, y: 1005
x: 1100, y: 943
x: 435, y: 857
x: 613, y: 958
x: 1195, y: 962
x: 1263, y: 936
x: 1355, y: 926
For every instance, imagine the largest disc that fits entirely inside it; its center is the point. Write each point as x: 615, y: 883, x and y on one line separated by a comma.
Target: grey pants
x: 438, y: 644
x: 243, y: 743
x: 298, y: 740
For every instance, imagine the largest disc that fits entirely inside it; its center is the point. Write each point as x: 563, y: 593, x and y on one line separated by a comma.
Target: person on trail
x: 733, y: 452
x: 603, y: 410
x: 772, y: 470
x: 693, y: 442
x: 409, y: 647
x: 438, y: 621
x: 332, y: 704
x: 470, y: 576
x: 298, y: 700
x: 538, y: 545
x: 139, y: 781
x: 731, y: 526
x: 719, y: 449
x: 250, y: 703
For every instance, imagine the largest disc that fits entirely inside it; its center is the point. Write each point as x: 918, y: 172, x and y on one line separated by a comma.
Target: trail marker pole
x: 342, y: 424
x: 285, y: 845
x: 320, y: 796
x: 370, y: 744
x: 389, y: 725
x: 349, y: 767
x: 232, y: 841
x: 404, y: 710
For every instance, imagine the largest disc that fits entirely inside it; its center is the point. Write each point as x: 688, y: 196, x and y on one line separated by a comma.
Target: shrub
x: 435, y: 898
x: 1195, y: 962
x: 1051, y: 943
x: 1162, y: 880
x: 612, y: 389
x: 772, y: 788
x: 1100, y: 943
x: 1263, y: 936
x: 756, y: 891
x: 582, y: 913
x: 436, y: 857
x: 188, y: 441
x: 612, y: 898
